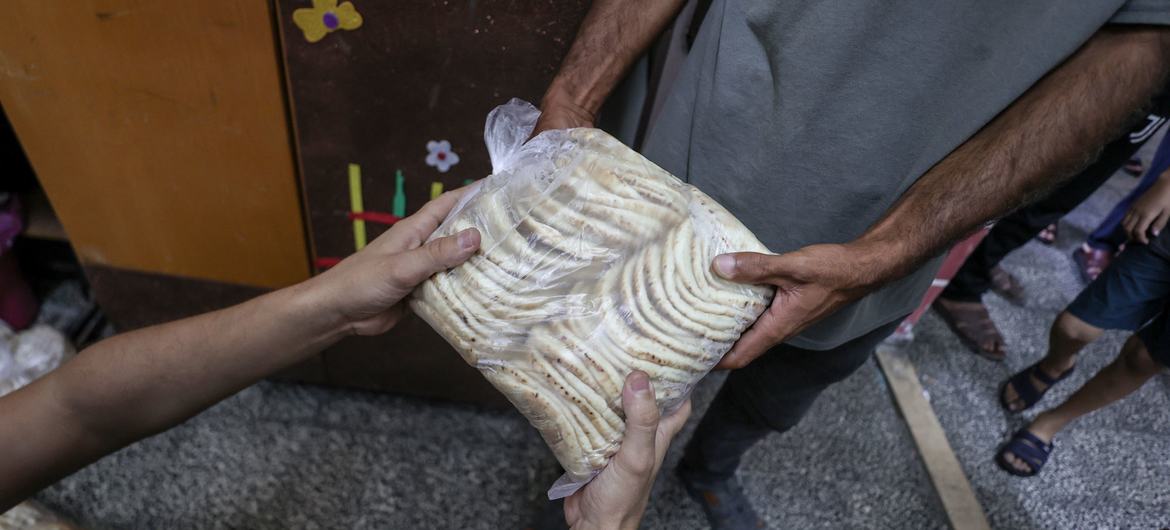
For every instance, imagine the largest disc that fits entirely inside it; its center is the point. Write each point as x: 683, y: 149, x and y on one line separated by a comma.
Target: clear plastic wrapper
x: 593, y: 262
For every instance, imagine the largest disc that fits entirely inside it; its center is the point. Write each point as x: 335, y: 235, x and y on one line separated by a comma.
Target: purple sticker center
x: 441, y: 155
x: 330, y: 20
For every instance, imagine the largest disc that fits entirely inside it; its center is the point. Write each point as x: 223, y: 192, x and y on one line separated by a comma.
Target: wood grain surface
x: 158, y: 130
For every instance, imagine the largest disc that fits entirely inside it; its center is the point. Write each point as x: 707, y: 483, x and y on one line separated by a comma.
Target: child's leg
x: 1132, y: 292
x: 1132, y: 368
x: 1068, y: 336
x: 1127, y: 295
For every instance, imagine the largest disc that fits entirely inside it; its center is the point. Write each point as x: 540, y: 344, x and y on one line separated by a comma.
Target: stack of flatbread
x: 594, y: 262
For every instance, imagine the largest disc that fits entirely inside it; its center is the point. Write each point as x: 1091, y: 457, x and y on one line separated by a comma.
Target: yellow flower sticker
x: 326, y: 17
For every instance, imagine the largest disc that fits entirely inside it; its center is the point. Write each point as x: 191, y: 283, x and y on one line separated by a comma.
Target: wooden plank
x: 159, y: 132
x: 959, y: 501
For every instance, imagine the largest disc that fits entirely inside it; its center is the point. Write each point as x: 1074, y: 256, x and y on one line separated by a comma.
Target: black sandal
x: 1026, y: 447
x: 1026, y: 392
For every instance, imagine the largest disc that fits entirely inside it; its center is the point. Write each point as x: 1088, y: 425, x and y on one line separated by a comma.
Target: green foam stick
x: 399, y: 194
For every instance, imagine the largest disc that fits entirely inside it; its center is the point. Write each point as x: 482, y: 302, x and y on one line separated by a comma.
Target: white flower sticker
x: 440, y: 155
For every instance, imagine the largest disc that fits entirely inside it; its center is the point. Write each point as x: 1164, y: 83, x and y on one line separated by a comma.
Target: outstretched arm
x: 1044, y: 137
x: 141, y: 383
x: 612, y: 36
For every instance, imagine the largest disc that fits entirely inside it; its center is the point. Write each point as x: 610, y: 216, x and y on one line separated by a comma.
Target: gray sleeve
x: 1143, y: 12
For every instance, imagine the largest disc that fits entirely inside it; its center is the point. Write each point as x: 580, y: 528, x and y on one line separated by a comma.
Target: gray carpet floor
x: 292, y: 456
x: 1110, y: 469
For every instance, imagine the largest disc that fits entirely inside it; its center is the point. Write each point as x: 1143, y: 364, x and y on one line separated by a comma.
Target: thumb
x: 637, y: 450
x: 747, y: 267
x: 412, y: 267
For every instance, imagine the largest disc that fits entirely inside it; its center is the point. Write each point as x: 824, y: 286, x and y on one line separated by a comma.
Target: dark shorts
x: 1131, y: 294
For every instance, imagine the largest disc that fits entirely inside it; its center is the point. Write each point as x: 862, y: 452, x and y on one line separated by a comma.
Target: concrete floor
x: 292, y: 456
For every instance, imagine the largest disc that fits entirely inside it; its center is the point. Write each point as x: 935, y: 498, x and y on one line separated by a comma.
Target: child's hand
x: 364, y: 293
x: 617, y: 497
x: 1149, y: 213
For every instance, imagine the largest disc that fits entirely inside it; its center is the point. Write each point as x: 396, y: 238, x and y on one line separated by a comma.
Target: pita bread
x: 590, y: 271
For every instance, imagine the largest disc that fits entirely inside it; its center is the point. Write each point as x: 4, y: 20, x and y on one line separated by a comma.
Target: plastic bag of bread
x: 593, y: 262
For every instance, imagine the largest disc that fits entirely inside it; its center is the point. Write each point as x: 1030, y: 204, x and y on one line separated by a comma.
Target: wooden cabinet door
x: 159, y: 132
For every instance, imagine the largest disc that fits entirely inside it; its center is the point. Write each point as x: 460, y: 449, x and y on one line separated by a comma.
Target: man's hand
x: 560, y: 113
x: 364, y: 292
x: 1149, y: 213
x: 617, y: 497
x: 811, y: 283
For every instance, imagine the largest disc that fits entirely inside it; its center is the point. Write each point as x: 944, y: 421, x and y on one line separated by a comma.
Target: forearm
x: 140, y: 383
x: 612, y: 36
x: 169, y: 372
x: 1047, y: 135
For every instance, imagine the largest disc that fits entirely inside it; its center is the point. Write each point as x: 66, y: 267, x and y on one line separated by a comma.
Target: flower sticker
x: 440, y: 155
x: 325, y: 17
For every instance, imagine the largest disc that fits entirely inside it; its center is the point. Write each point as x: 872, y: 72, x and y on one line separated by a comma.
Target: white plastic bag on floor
x: 31, y: 515
x: 593, y: 262
x: 29, y: 355
x: 8, y: 367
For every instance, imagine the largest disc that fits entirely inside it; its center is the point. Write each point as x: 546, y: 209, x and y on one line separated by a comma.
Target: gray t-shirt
x: 808, y: 119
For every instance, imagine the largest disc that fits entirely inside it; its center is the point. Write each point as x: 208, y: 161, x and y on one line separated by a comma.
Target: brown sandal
x: 1048, y: 235
x: 1007, y: 286
x: 973, y: 324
